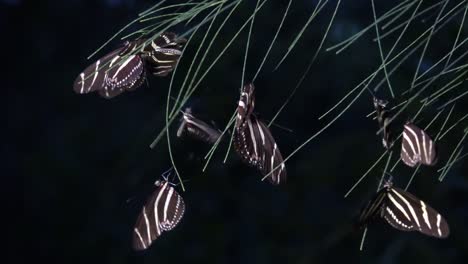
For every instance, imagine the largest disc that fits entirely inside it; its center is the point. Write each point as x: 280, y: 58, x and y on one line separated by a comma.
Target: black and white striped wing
x: 417, y: 147
x: 127, y: 75
x: 112, y: 74
x: 405, y: 212
x: 255, y: 145
x: 163, y: 53
x: 272, y: 157
x: 93, y: 77
x: 198, y: 129
x: 162, y: 212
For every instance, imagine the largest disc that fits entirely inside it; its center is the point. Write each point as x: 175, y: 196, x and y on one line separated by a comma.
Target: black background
x: 86, y: 168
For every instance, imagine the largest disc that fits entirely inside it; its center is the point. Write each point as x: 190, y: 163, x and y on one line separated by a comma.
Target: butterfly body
x: 384, y: 121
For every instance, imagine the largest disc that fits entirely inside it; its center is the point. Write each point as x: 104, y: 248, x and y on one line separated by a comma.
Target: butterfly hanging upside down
x: 162, y: 212
x: 253, y: 140
x: 124, y: 69
x: 383, y: 119
x: 405, y: 212
x: 417, y: 147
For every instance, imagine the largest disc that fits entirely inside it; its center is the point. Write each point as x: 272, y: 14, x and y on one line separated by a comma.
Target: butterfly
x: 162, y: 212
x: 254, y: 142
x: 383, y: 119
x: 405, y: 212
x: 124, y: 69
x: 197, y: 128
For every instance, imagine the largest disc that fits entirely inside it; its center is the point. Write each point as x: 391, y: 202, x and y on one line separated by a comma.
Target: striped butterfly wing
x: 163, y: 53
x: 127, y: 75
x: 198, y: 129
x: 405, y: 212
x: 113, y: 73
x: 92, y: 78
x: 417, y: 147
x: 271, y: 155
x: 255, y: 145
x: 162, y: 212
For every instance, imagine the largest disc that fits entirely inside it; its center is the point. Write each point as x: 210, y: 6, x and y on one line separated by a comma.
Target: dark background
x: 86, y: 168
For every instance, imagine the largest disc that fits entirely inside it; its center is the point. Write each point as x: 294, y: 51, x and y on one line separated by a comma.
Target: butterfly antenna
x: 167, y: 173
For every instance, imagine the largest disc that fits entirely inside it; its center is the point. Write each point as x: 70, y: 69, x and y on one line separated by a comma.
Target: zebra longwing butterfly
x: 383, y: 119
x: 124, y: 69
x: 405, y: 212
x: 114, y: 73
x: 196, y: 128
x: 253, y: 140
x: 162, y: 212
x: 417, y: 147
x: 163, y: 53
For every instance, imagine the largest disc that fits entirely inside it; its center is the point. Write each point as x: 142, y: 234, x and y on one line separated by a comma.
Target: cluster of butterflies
x: 124, y: 69
x: 253, y: 143
x: 399, y: 208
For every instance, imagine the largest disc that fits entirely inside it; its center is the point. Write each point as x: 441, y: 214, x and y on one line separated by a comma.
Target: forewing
x: 162, y: 212
x: 147, y: 229
x: 93, y: 77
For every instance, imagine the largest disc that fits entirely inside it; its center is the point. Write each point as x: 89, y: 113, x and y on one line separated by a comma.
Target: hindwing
x: 417, y: 147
